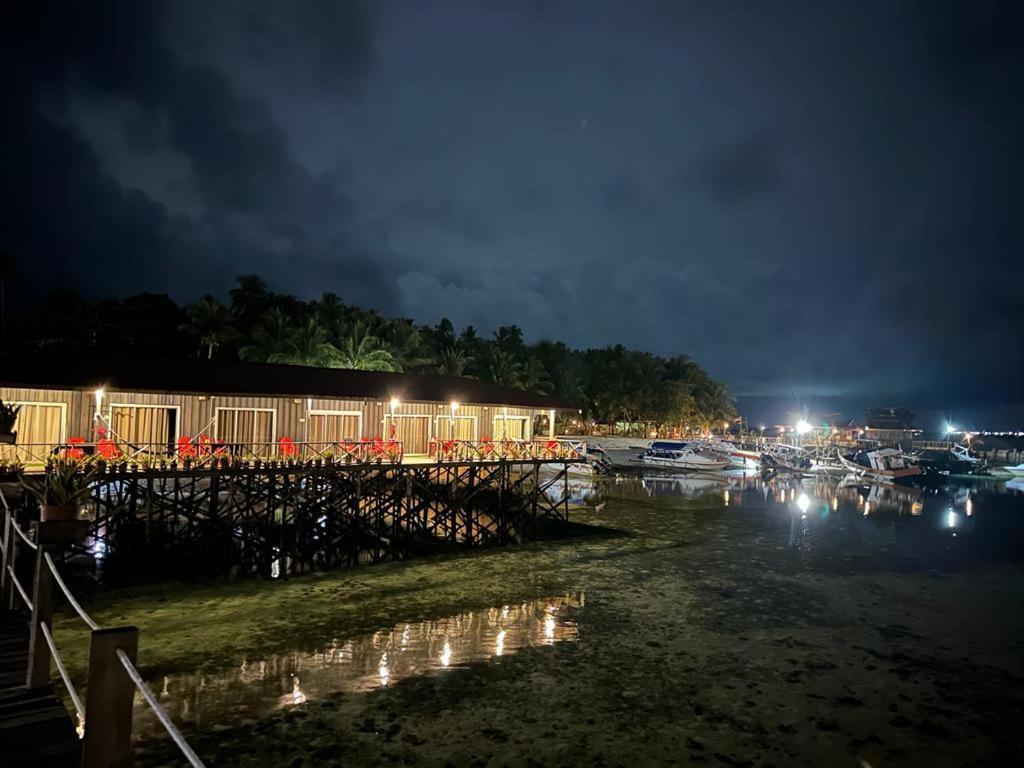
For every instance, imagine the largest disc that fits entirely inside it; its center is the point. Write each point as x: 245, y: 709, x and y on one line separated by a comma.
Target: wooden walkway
x: 35, y: 728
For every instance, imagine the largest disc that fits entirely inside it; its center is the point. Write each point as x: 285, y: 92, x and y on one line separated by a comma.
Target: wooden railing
x: 198, y: 452
x: 105, y: 719
x: 498, y: 450
x: 206, y: 452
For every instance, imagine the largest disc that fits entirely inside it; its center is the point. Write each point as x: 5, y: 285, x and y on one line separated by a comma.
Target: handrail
x: 41, y: 620
x: 21, y: 590
x: 17, y: 529
x: 67, y: 593
x: 59, y: 663
x: 159, y: 711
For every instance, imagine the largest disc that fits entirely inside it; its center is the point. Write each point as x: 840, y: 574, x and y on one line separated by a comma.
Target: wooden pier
x: 267, y: 519
x: 278, y: 519
x: 35, y: 729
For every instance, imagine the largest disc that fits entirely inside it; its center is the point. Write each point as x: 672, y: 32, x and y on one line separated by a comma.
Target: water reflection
x: 256, y: 687
x: 823, y: 513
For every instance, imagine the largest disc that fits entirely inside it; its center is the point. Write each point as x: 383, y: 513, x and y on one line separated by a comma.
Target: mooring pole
x: 565, y: 474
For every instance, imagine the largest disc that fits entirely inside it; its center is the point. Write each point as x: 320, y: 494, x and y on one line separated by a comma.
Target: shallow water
x: 730, y: 618
x: 258, y: 686
x: 963, y: 520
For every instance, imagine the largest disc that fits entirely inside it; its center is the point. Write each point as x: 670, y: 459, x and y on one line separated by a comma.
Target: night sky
x: 819, y: 202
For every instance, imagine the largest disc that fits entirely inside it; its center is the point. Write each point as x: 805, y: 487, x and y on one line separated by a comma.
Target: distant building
x: 889, y: 418
x: 893, y: 425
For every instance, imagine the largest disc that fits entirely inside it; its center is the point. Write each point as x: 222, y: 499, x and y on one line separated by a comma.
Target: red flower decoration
x: 107, y: 449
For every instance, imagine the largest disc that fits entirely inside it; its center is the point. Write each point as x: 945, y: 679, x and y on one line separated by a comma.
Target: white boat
x: 826, y: 460
x: 595, y: 462
x: 686, y: 457
x: 1017, y: 471
x: 886, y: 465
x: 786, y: 458
x: 737, y: 455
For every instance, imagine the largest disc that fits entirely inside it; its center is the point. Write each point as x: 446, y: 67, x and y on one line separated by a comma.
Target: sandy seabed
x: 709, y: 636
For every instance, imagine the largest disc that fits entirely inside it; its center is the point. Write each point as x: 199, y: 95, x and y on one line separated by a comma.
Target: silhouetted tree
x: 210, y: 322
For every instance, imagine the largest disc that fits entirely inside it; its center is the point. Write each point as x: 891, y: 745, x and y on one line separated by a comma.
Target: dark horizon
x: 818, y: 205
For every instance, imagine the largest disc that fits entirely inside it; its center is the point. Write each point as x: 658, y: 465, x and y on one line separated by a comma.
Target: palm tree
x: 249, y: 298
x: 407, y: 346
x: 330, y: 311
x: 210, y: 322
x: 443, y: 333
x: 270, y: 336
x: 362, y: 352
x: 308, y: 345
x: 453, y: 362
x: 503, y: 368
x: 533, y: 377
x: 509, y: 338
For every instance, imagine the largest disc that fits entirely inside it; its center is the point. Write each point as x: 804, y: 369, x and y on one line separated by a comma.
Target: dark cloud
x: 442, y: 212
x: 743, y: 170
x: 619, y: 194
x: 841, y: 226
x: 261, y: 207
x: 531, y: 198
x: 975, y: 45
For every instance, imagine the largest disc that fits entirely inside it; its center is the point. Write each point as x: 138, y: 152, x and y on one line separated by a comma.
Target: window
x: 143, y: 427
x: 465, y: 428
x: 245, y: 427
x: 39, y: 426
x: 412, y: 430
x: 511, y: 428
x: 334, y: 426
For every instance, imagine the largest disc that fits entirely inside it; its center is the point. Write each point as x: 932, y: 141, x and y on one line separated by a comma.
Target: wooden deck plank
x: 35, y: 728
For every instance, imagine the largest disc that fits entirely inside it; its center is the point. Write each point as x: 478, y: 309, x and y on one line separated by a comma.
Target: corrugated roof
x: 238, y: 378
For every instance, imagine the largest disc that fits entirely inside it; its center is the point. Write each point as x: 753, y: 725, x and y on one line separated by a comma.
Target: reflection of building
x: 890, y: 425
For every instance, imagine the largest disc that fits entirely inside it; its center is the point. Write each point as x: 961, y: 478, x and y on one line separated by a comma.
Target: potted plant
x: 8, y: 415
x: 10, y: 470
x: 61, y: 489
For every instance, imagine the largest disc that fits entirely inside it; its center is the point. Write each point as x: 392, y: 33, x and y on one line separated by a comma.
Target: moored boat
x: 737, y: 455
x: 786, y: 458
x: 1017, y: 471
x: 886, y: 465
x: 685, y: 457
x: 956, y: 460
x: 826, y: 460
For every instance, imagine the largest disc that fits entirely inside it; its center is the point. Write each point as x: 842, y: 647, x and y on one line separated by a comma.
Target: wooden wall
x: 196, y: 413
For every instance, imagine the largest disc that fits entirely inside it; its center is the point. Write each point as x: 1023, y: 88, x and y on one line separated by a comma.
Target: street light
x: 802, y: 427
x: 394, y: 407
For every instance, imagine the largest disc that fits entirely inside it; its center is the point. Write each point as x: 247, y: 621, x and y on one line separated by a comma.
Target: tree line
x: 613, y: 385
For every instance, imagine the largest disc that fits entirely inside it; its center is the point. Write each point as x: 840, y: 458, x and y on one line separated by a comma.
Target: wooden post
x: 38, y: 675
x: 4, y: 586
x: 565, y: 474
x: 108, y: 702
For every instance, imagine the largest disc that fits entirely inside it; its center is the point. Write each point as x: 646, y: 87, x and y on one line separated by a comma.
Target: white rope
x: 63, y: 672
x: 161, y: 715
x: 67, y: 593
x: 21, y: 533
x: 21, y: 591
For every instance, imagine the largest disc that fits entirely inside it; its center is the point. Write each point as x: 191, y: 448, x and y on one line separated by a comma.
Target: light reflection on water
x: 259, y: 686
x: 982, y: 517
